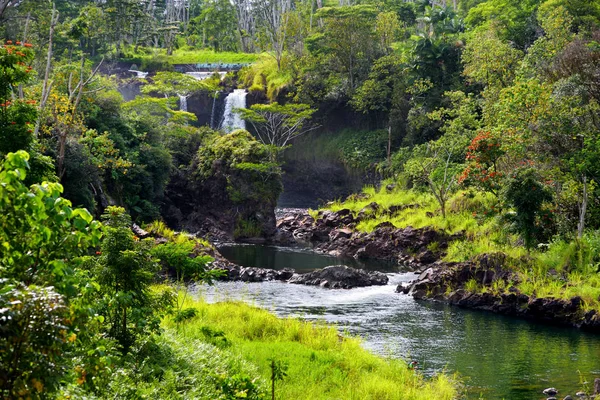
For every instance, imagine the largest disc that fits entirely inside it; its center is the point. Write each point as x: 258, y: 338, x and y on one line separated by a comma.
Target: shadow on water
x: 497, y: 357
x: 301, y: 259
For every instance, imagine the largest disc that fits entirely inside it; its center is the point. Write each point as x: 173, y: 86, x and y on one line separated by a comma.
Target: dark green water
x: 497, y: 357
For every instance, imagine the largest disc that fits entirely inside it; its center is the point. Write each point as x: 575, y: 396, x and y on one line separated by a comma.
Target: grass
x: 210, y: 56
x: 189, y: 56
x: 561, y: 269
x: 264, y: 76
x: 321, y: 363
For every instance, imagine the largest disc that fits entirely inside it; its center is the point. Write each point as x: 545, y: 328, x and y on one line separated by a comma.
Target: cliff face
x: 229, y: 191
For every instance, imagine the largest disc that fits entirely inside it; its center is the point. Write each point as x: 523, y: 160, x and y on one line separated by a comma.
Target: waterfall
x: 232, y: 120
x: 205, y: 75
x: 139, y: 74
x: 183, y: 103
x: 213, y: 111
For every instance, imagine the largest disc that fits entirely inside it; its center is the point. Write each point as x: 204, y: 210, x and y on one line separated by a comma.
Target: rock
x: 340, y: 233
x: 580, y: 394
x: 340, y: 277
x: 390, y: 187
x: 139, y: 232
x: 597, y: 386
x: 568, y: 397
x: 385, y: 224
x: 550, y: 391
x: 426, y: 257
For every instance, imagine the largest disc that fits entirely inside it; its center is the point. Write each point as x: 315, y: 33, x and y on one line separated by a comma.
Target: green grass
x: 188, y: 56
x: 562, y: 270
x: 321, y: 363
x: 209, y: 56
x: 264, y: 76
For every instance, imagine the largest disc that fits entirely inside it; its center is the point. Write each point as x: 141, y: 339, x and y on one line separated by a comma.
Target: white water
x: 205, y: 75
x: 183, y: 103
x: 139, y: 74
x: 231, y: 119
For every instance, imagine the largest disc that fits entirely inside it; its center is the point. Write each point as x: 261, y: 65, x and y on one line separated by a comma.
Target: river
x: 496, y: 357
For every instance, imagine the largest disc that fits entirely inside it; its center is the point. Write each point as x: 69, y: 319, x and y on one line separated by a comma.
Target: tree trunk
x: 389, y: 146
x: 582, y: 209
x: 46, y: 85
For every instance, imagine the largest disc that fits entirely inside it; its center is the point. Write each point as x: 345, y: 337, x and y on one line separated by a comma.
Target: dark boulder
x: 340, y: 277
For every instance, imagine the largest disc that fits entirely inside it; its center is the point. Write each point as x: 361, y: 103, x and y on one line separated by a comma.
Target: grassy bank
x: 241, y: 341
x: 153, y: 56
x: 559, y: 269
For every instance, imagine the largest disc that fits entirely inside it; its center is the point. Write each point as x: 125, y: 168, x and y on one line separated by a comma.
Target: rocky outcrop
x: 333, y: 233
x: 340, y: 277
x: 223, y: 194
x: 332, y: 277
x: 447, y: 282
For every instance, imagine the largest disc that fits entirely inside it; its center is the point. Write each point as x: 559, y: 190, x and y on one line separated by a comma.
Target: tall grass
x: 322, y: 364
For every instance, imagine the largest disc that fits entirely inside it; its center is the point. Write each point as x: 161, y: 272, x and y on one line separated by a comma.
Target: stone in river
x: 340, y: 277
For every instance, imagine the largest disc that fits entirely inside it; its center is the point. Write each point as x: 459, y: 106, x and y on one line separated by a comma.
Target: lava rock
x: 550, y: 391
x: 340, y: 277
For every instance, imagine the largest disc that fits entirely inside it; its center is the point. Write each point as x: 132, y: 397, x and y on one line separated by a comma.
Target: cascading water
x: 139, y: 74
x: 231, y: 119
x: 205, y: 75
x: 213, y: 110
x: 183, y: 103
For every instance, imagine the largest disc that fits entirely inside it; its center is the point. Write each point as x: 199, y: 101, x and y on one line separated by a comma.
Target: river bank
x: 319, y: 363
x: 500, y: 279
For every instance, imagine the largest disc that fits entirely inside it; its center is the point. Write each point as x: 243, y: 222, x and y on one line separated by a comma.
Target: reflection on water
x: 497, y: 357
x: 300, y: 259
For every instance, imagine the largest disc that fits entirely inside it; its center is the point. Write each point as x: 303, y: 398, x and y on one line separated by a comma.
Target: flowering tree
x: 483, y: 155
x: 16, y: 113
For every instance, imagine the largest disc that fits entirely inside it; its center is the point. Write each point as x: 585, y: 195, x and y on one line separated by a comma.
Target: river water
x: 496, y: 357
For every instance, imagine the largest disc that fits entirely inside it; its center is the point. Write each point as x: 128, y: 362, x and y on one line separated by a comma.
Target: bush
x: 33, y: 341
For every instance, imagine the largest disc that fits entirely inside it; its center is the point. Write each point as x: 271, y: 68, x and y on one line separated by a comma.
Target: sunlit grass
x: 192, y: 56
x: 560, y: 270
x: 322, y: 364
x: 209, y: 56
x: 265, y: 76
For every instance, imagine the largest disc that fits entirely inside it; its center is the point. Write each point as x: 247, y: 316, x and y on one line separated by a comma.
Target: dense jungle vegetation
x: 484, y: 113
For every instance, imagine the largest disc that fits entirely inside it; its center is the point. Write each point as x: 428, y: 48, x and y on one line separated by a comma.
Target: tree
x: 125, y: 269
x: 272, y: 16
x: 39, y: 230
x: 387, y: 28
x: 526, y: 195
x: 276, y: 125
x: 16, y: 114
x: 34, y: 340
x: 437, y: 164
x: 349, y: 36
x: 216, y: 25
x: 490, y: 60
x: 43, y: 303
x: 385, y: 91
